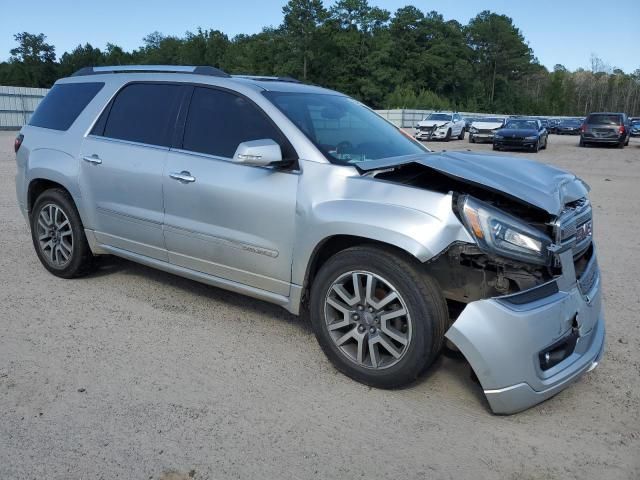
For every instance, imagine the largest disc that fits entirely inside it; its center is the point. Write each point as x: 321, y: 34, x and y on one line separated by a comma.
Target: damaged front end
x: 524, y: 300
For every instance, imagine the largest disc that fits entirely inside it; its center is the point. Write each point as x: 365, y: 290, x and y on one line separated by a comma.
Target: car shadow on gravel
x: 111, y: 265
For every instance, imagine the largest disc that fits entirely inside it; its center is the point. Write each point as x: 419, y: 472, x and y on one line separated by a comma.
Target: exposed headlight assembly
x: 473, y: 130
x: 503, y: 235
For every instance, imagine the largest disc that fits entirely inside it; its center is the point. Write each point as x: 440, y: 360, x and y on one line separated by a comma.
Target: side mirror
x: 259, y: 153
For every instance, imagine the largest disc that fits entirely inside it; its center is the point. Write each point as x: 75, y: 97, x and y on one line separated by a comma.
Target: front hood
x: 486, y: 125
x: 432, y: 123
x: 517, y: 132
x: 527, y: 181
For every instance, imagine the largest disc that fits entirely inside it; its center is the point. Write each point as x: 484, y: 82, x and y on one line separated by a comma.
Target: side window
x: 63, y: 104
x: 218, y: 121
x: 143, y: 113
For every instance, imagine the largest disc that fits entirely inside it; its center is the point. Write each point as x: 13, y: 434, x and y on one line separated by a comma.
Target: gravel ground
x: 137, y: 374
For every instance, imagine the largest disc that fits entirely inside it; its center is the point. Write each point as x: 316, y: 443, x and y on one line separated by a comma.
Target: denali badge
x: 583, y: 231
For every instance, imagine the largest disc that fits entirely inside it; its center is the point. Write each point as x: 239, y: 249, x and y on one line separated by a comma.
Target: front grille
x: 427, y: 129
x: 574, y: 227
x: 485, y: 131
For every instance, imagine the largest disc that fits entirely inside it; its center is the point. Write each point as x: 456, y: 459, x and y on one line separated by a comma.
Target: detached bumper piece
x: 525, y: 348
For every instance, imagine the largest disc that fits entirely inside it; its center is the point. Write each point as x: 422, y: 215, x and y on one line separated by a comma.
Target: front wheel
x: 377, y: 316
x: 461, y: 136
x: 448, y: 137
x: 58, y: 235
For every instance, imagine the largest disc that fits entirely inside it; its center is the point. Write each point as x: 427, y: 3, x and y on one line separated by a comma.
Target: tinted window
x: 143, y: 113
x: 219, y: 121
x: 62, y: 105
x: 603, y: 119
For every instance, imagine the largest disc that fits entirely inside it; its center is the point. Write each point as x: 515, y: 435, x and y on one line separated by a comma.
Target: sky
x: 559, y: 31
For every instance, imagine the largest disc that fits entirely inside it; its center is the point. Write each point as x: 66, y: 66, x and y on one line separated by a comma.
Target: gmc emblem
x: 583, y: 231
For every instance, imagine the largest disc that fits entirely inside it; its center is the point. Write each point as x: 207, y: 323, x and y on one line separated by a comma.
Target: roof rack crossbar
x: 197, y: 70
x: 268, y: 78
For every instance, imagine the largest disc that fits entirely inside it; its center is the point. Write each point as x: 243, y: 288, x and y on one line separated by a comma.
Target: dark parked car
x: 635, y: 127
x: 521, y: 133
x: 468, y: 121
x: 570, y: 126
x: 553, y: 125
x: 607, y: 128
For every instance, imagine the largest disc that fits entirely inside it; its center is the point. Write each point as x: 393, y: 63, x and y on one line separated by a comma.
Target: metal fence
x: 17, y: 104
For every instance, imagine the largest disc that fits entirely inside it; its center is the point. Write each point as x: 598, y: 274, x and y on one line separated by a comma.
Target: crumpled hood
x: 543, y: 186
x: 432, y: 123
x: 487, y: 125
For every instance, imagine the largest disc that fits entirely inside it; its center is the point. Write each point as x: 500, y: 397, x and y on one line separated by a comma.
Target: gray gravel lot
x: 137, y: 374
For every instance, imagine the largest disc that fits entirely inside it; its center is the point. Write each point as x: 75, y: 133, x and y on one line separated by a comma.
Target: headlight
x: 473, y: 130
x: 532, y: 137
x: 500, y: 233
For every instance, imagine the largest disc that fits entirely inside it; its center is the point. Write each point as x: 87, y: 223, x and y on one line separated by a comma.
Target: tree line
x: 405, y: 59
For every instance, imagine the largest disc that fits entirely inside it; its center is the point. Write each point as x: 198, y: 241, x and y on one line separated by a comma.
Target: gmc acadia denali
x: 305, y: 198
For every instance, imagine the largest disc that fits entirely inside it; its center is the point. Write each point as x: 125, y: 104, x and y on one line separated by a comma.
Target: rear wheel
x: 58, y: 235
x: 377, y: 316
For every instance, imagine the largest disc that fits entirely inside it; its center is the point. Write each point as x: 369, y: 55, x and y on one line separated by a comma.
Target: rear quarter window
x: 63, y: 104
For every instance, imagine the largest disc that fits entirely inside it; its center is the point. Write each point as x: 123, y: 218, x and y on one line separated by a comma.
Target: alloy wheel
x: 367, y: 319
x: 55, y: 236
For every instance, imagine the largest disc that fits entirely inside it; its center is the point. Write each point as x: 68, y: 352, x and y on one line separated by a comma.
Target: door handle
x: 95, y: 159
x: 183, y: 176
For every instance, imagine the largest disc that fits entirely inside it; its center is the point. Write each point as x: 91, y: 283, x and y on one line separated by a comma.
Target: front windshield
x: 343, y: 129
x: 439, y: 116
x: 571, y: 123
x: 522, y: 124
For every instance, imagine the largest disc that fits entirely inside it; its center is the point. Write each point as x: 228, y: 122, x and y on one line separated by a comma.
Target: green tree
x: 33, y: 61
x: 500, y: 52
x: 302, y: 20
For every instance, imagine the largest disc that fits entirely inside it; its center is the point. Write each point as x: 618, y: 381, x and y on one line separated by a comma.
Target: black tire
x: 546, y: 141
x: 423, y: 300
x: 495, y: 147
x: 448, y: 137
x: 80, y: 260
x: 461, y: 136
x: 626, y: 144
x: 621, y: 144
x: 536, y: 149
x: 471, y: 140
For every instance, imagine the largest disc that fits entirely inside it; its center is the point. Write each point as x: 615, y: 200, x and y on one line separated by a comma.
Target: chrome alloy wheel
x: 367, y: 319
x: 55, y: 236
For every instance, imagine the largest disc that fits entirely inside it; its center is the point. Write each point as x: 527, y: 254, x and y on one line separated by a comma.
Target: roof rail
x: 197, y: 70
x: 262, y: 78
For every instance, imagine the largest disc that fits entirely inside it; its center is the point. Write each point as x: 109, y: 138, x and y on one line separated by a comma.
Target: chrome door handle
x: 95, y: 159
x: 183, y: 176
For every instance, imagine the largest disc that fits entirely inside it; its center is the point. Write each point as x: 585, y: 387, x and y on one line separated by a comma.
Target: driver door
x: 226, y: 219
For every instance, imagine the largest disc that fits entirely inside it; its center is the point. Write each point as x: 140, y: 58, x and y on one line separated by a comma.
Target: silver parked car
x: 306, y: 198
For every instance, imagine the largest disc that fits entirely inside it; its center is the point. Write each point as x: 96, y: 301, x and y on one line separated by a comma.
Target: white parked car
x: 483, y: 130
x: 441, y: 126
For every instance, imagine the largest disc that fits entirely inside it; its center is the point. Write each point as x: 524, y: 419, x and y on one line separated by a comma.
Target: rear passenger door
x: 229, y: 220
x: 122, y: 162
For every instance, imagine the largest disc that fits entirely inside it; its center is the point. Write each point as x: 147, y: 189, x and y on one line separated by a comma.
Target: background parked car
x: 441, y: 126
x: 569, y: 126
x: 606, y: 128
x: 553, y: 125
x: 635, y: 127
x: 468, y: 121
x: 521, y: 133
x: 483, y: 129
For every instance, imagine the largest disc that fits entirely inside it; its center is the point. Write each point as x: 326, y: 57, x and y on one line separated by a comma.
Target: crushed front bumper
x: 505, y: 338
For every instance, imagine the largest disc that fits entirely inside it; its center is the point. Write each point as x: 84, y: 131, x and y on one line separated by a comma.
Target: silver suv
x: 306, y: 198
